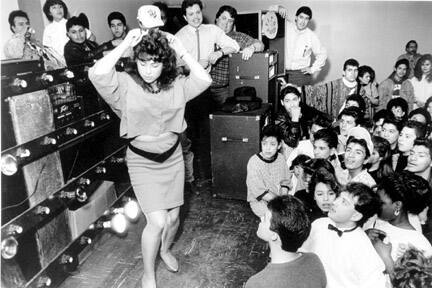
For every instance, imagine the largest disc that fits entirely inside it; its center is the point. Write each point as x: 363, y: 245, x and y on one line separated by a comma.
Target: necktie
x: 198, y: 44
x: 339, y: 232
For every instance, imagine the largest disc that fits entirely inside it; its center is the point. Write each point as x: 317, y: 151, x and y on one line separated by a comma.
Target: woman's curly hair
x: 154, y: 46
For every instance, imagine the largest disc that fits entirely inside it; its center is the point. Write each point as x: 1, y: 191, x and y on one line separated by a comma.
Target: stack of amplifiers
x: 51, y: 145
x: 260, y: 72
x: 234, y: 139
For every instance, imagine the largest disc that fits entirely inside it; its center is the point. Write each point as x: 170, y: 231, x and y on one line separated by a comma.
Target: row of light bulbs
x: 118, y: 223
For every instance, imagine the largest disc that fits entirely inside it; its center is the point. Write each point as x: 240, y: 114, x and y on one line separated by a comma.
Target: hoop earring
x: 397, y: 212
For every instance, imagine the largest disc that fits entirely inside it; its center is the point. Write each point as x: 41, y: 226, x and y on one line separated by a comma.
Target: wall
x: 373, y: 32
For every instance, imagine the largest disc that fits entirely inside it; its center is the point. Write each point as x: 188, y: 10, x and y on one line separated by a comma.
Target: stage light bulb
x: 118, y: 224
x: 9, y: 165
x: 132, y: 210
x: 9, y: 247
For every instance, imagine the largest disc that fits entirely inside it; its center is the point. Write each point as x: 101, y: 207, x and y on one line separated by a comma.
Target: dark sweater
x: 306, y: 271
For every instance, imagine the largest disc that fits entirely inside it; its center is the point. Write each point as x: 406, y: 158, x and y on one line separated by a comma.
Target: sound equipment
x: 259, y: 71
x: 234, y: 139
x: 59, y: 144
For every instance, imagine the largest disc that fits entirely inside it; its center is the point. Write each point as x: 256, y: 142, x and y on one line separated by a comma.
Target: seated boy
x: 297, y: 170
x: 358, y: 150
x: 267, y: 172
x: 294, y: 117
x: 346, y: 252
x: 285, y: 226
x: 399, y: 108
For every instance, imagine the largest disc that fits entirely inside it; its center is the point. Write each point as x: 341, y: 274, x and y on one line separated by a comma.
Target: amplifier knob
x: 105, y: 116
x: 100, y: 170
x: 18, y: 83
x: 23, y: 153
x: 84, y: 181
x: 42, y: 210
x: 45, y: 77
x: 67, y: 74
x: 71, y: 131
x: 89, y: 124
x: 49, y: 141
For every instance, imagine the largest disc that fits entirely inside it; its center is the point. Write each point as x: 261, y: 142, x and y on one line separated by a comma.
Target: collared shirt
x: 300, y: 45
x: 220, y: 71
x: 209, y: 35
x: 144, y: 113
x: 349, y: 260
x: 363, y: 177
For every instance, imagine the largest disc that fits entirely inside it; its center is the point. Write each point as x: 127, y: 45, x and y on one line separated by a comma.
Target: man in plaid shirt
x: 225, y: 19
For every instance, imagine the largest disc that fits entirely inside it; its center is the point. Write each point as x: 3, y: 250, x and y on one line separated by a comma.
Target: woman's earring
x: 397, y: 212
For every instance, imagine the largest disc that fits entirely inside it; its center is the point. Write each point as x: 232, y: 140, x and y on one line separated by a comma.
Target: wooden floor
x: 216, y: 247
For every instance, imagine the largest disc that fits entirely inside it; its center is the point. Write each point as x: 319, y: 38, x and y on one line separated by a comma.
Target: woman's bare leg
x: 168, y: 235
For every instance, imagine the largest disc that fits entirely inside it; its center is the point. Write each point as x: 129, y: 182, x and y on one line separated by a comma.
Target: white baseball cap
x: 362, y: 133
x: 149, y: 16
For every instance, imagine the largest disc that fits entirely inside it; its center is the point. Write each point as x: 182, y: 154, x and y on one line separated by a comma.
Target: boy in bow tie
x: 348, y: 256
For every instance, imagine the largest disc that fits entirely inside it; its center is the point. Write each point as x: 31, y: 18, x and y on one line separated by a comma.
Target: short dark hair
x: 361, y: 142
x: 289, y: 90
x: 116, y: 16
x: 162, y: 7
x: 410, y: 189
x: 398, y: 102
x: 401, y: 62
x: 16, y: 13
x: 421, y: 111
x: 366, y: 69
x: 354, y: 112
x: 409, y: 42
x: 155, y: 46
x: 327, y: 135
x: 299, y: 160
x: 397, y: 123
x: 359, y: 99
x: 312, y: 165
x: 419, y: 128
x: 272, y: 130
x: 290, y: 221
x: 49, y: 3
x: 424, y: 142
x: 322, y: 120
x: 189, y: 3
x: 350, y: 62
x: 381, y: 114
x: 305, y: 10
x: 322, y: 175
x: 231, y: 10
x: 368, y: 202
x: 74, y: 21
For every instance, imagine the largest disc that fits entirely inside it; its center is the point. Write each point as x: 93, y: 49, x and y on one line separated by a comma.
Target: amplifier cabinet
x: 234, y: 139
x: 259, y: 71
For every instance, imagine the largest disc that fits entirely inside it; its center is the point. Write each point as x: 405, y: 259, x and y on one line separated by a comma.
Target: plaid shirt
x: 220, y: 71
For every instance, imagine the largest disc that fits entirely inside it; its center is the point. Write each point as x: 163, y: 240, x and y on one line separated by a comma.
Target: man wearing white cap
x: 149, y: 16
x: 358, y: 150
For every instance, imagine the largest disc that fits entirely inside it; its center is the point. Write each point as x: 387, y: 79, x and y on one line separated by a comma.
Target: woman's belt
x: 160, y: 158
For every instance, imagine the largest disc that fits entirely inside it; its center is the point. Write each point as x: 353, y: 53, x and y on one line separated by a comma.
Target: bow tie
x: 339, y: 232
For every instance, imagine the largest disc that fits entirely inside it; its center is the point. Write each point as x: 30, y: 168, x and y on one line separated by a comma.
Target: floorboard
x: 216, y: 246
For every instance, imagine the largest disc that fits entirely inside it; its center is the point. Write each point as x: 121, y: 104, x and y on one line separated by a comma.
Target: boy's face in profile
x: 263, y: 231
x: 343, y: 208
x: 269, y: 147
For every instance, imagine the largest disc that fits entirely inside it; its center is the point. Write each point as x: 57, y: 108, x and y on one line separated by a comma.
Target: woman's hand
x: 134, y: 37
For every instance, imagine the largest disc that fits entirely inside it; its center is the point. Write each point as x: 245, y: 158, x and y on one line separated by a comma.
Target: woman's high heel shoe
x: 171, y: 263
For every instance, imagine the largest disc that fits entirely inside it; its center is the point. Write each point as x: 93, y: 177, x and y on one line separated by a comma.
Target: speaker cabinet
x: 234, y: 139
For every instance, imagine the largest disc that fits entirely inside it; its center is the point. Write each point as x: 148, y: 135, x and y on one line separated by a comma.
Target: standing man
x: 300, y: 44
x: 199, y: 40
x: 225, y: 19
x: 412, y: 56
